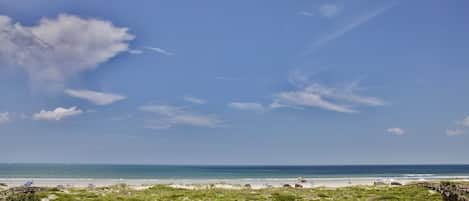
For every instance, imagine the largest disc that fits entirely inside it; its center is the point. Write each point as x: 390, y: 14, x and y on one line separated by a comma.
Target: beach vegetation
x: 23, y: 197
x: 167, y: 193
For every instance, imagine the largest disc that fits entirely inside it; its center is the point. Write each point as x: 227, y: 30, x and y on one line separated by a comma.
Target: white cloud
x: 194, y: 100
x: 465, y: 122
x: 311, y: 94
x: 135, y: 51
x: 57, y: 114
x: 396, y: 131
x: 246, y: 106
x: 166, y: 110
x: 98, y: 98
x: 306, y: 13
x: 346, y: 95
x: 55, y: 49
x: 276, y: 104
x: 4, y: 117
x: 303, y: 98
x: 170, y: 116
x: 330, y: 10
x: 460, y: 129
x: 454, y: 132
x: 161, y: 51
x: 352, y: 25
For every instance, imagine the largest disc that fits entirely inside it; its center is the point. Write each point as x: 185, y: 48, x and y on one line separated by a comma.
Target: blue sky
x: 239, y: 82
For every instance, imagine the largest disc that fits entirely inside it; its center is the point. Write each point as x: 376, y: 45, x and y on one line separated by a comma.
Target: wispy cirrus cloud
x: 396, y: 131
x: 343, y: 94
x: 459, y: 129
x: 57, y: 114
x: 170, y: 116
x: 152, y: 49
x: 57, y: 48
x: 4, y: 117
x: 356, y: 22
x: 313, y: 94
x: 327, y: 10
x: 465, y: 122
x: 160, y: 50
x: 306, y: 13
x: 454, y: 132
x: 304, y: 98
x: 330, y: 10
x: 192, y: 99
x: 98, y: 98
x: 248, y: 106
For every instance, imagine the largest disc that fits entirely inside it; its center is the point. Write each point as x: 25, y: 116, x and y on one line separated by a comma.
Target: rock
x: 287, y: 185
x: 298, y: 186
x: 395, y: 183
x: 247, y: 185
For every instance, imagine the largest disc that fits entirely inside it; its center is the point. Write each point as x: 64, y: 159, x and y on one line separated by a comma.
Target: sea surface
x: 227, y: 172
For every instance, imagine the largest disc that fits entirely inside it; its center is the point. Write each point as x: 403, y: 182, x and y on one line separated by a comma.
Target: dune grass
x: 163, y: 193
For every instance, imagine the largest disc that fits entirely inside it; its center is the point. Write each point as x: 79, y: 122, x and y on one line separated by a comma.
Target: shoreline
x: 254, y: 183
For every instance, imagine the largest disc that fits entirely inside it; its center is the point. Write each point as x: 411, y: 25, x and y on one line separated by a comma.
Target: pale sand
x: 215, y: 183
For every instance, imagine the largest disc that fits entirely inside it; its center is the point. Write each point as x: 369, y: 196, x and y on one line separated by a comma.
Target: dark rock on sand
x: 395, y: 183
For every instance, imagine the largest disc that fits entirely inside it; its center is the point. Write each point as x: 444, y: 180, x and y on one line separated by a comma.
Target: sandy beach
x: 255, y: 183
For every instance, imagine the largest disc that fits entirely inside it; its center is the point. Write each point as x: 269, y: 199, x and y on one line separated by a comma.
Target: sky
x: 304, y: 82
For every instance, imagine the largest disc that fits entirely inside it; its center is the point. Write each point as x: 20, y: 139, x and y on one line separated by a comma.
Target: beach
x: 254, y: 183
x: 156, y: 182
x: 257, y: 177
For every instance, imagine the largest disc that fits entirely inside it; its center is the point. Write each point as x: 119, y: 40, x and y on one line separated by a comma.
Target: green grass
x: 164, y: 193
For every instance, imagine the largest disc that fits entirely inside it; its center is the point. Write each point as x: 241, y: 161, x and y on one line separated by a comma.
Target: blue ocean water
x: 225, y: 172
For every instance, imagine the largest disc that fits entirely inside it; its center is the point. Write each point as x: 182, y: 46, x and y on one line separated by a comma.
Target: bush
x: 283, y: 197
x: 23, y: 197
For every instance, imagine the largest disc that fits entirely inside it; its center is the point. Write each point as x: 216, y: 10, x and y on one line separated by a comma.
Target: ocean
x: 227, y: 172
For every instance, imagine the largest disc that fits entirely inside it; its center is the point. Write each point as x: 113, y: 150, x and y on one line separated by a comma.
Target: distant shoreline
x: 256, y: 183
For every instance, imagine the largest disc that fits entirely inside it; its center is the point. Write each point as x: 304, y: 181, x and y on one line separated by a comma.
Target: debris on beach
x: 395, y: 183
x: 91, y: 186
x: 298, y: 186
x: 301, y: 180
